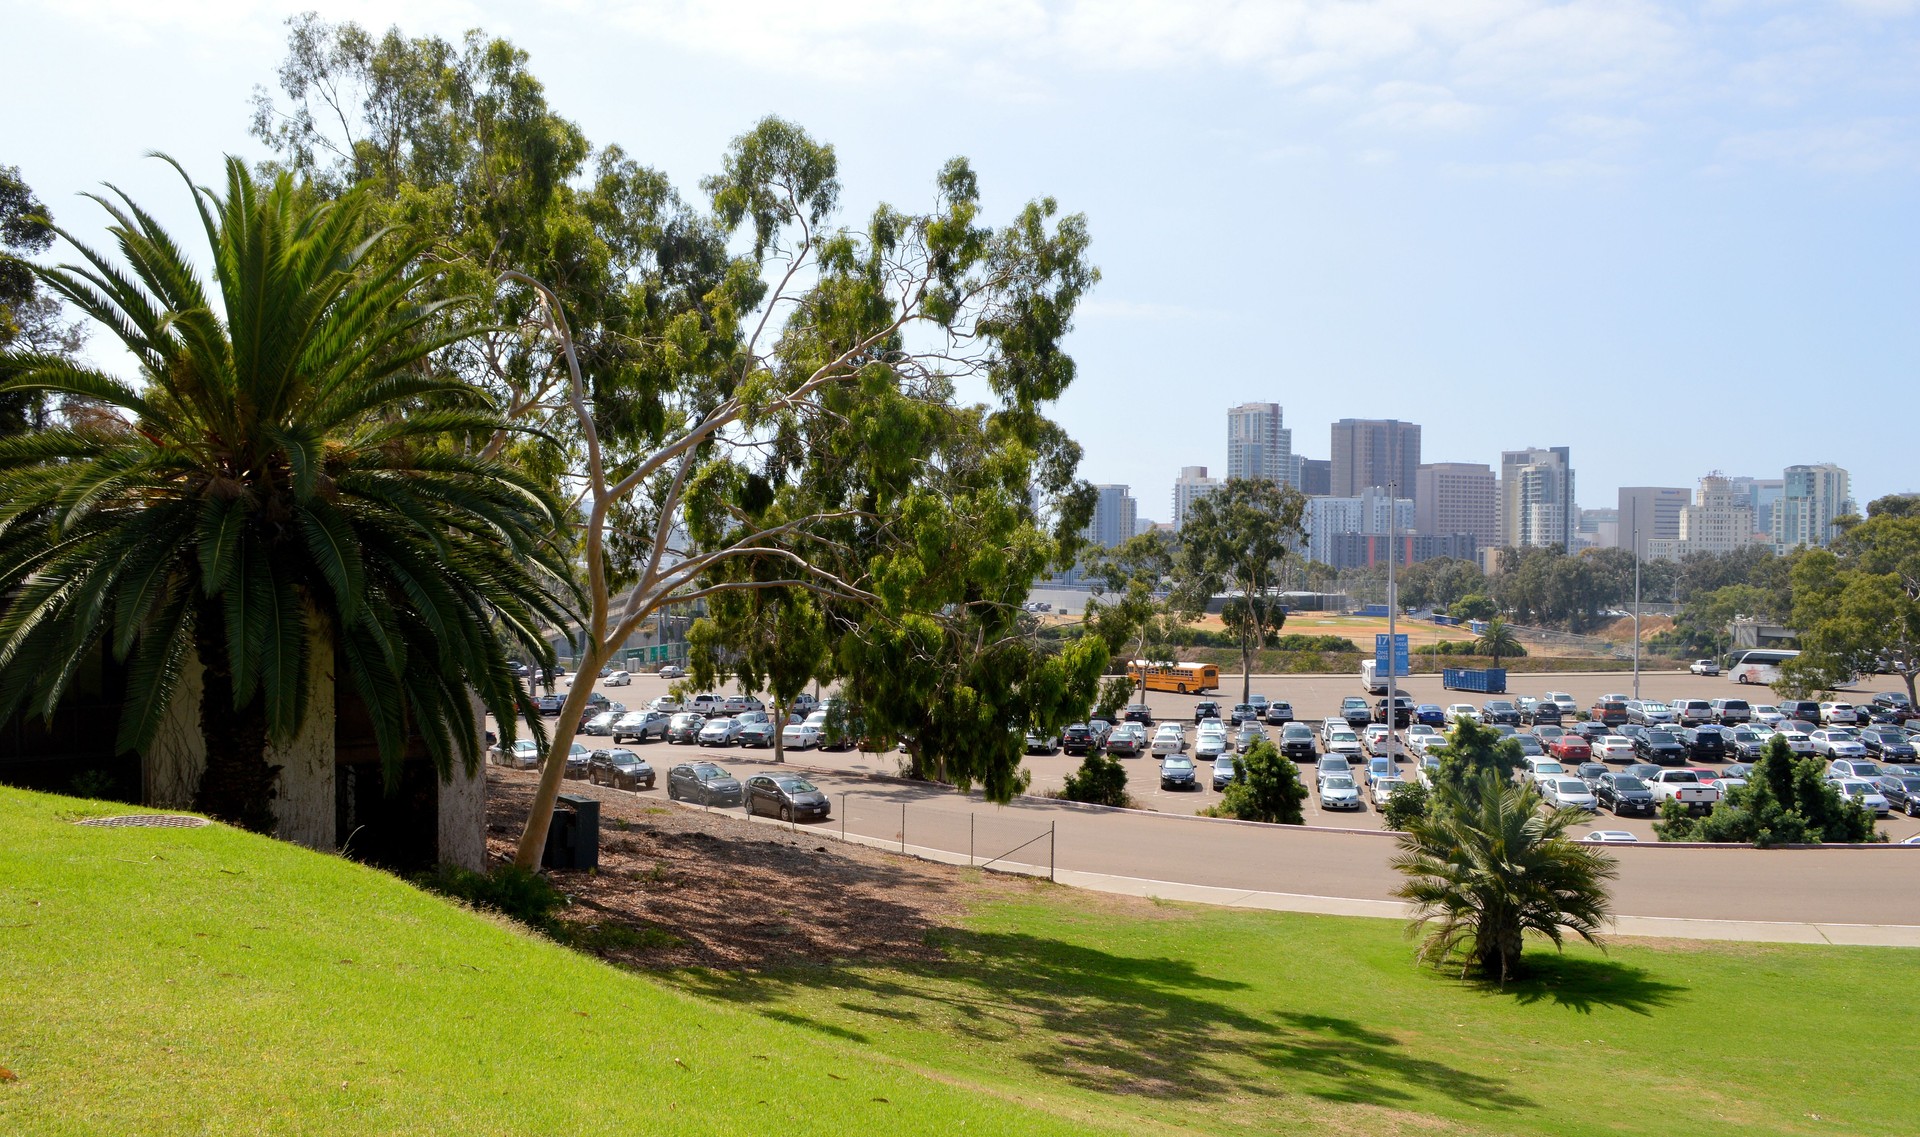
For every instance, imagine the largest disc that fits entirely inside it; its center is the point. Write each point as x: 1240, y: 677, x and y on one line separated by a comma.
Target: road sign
x: 636, y: 652
x: 1401, y: 666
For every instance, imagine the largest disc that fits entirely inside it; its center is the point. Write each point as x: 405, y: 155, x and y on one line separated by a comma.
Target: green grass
x: 1212, y: 1020
x: 206, y: 981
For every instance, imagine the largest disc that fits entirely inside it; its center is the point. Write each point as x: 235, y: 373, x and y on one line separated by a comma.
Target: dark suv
x: 1499, y: 711
x: 1296, y: 742
x: 1802, y: 710
x: 1402, y: 711
x: 1205, y: 709
x: 1661, y: 747
x: 1705, y: 744
x: 1138, y: 712
x: 1543, y: 712
x: 1077, y: 739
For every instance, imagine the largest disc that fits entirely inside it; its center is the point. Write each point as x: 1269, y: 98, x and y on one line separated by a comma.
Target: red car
x: 1570, y: 748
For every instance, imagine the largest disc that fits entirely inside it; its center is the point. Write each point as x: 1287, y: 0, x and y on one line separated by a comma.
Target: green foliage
x: 1485, y: 867
x: 284, y: 483
x: 29, y: 317
x: 1116, y: 691
x: 1405, y: 805
x: 1234, y: 541
x: 1786, y: 801
x: 1268, y: 788
x: 1100, y: 780
x: 1473, y: 606
x: 1499, y: 640
x: 1473, y: 750
x: 1546, y: 586
x: 521, y: 894
x: 1443, y: 582
x: 1857, y: 605
x: 1514, y: 650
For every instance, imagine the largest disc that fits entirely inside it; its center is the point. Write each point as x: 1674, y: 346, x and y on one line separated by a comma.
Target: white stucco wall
x: 463, y: 809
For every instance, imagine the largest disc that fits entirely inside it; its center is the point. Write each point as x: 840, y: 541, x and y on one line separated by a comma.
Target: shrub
x: 1787, y: 801
x: 512, y: 891
x: 1406, y: 804
x: 1268, y: 789
x: 1100, y: 780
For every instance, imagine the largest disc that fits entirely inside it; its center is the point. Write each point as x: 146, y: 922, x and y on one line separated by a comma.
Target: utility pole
x: 1634, y: 514
x: 1393, y: 613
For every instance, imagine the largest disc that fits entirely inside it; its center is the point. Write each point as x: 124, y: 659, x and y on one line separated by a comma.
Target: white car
x: 1459, y: 711
x: 1538, y: 770
x: 1864, y: 792
x: 1565, y: 702
x: 1842, y: 714
x: 1169, y: 739
x: 670, y: 671
x: 1611, y: 837
x: 522, y: 755
x: 1767, y: 714
x: 618, y: 679
x: 1704, y: 667
x: 1569, y: 793
x: 1210, y: 742
x: 601, y: 723
x: 802, y: 735
x: 1343, y: 742
x: 1426, y: 770
x: 724, y: 731
x: 1382, y: 789
x: 1337, y: 791
x: 1328, y: 726
x: 666, y: 705
x: 1797, y: 742
x: 1422, y: 738
x: 1613, y: 746
x: 1836, y: 744
x: 1379, y: 740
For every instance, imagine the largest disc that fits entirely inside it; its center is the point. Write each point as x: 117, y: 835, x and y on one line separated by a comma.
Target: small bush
x: 1406, y: 804
x: 1269, y: 789
x: 510, y: 890
x: 1100, y: 780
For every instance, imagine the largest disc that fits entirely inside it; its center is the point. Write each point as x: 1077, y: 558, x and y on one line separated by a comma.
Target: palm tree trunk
x: 237, y: 786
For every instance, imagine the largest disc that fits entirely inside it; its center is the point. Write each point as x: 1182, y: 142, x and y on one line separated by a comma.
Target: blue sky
x: 1674, y: 238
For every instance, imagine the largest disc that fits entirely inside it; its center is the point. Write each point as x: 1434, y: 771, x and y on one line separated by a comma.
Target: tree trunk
x: 237, y: 786
x: 779, y: 732
x: 1246, y: 670
x: 533, y: 840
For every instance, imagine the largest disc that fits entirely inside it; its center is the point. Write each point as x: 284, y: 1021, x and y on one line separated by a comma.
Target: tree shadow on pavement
x: 1583, y: 983
x: 1108, y: 1022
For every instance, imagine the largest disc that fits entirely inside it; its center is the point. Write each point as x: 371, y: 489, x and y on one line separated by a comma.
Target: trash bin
x: 573, y: 839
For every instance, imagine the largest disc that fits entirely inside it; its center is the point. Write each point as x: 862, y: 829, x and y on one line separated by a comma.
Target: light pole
x: 1634, y: 513
x: 1393, y: 612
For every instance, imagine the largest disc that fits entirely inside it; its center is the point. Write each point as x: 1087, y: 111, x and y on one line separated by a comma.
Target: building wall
x: 1457, y: 497
x: 1364, y: 550
x: 1375, y: 452
x: 1316, y: 476
x: 1653, y: 510
x: 1192, y: 485
x: 1537, y: 498
x: 1812, y: 497
x: 1259, y: 445
x: 1114, y: 514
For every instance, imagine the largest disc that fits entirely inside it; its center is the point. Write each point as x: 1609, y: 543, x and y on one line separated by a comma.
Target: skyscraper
x: 1456, y: 497
x: 1375, y: 452
x: 1812, y: 498
x: 1192, y: 485
x: 1114, y: 514
x: 1536, y: 498
x: 1258, y: 443
x: 1720, y: 522
x: 1654, y: 511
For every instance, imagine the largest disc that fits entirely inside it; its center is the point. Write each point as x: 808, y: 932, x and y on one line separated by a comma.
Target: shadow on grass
x: 1108, y: 1022
x: 1583, y: 983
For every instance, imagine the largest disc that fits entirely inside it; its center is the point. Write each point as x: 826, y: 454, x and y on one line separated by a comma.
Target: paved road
x: 1874, y: 886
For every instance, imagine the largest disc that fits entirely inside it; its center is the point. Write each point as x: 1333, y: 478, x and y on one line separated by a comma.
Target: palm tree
x: 1485, y: 866
x: 1498, y: 640
x: 285, y: 481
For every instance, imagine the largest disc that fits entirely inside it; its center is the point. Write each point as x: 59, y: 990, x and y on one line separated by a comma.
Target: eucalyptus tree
x: 284, y: 480
x: 1233, y: 542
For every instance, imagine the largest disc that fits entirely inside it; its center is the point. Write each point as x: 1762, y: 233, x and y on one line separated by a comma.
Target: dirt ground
x: 682, y: 887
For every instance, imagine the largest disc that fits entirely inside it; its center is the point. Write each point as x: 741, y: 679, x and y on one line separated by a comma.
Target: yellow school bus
x: 1184, y: 678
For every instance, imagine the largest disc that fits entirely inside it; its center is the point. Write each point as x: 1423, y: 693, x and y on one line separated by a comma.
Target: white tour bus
x: 1761, y: 667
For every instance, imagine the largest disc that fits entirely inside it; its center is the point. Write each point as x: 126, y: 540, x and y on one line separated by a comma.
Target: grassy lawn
x: 1240, y: 1022
x: 204, y: 981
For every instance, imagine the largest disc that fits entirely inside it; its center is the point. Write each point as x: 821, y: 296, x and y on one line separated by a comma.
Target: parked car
x: 1568, y: 708
x: 1838, y: 714
x: 1705, y: 744
x: 1127, y: 740
x: 1210, y: 742
x: 803, y: 735
x: 1866, y: 793
x: 704, y: 783
x: 1902, y: 793
x: 666, y: 705
x: 1895, y: 704
x: 1176, y: 772
x: 1570, y: 748
x: 789, y: 797
x: 1500, y: 711
x: 600, y: 724
x: 1205, y: 709
x: 1354, y: 710
x: 1613, y: 748
x: 1138, y: 712
x: 1259, y: 702
x: 1541, y: 712
x: 1593, y: 730
x: 1343, y: 742
x: 617, y: 679
x: 1804, y: 710
x: 1169, y: 739
x: 1889, y: 744
x: 576, y: 769
x: 549, y: 704
x: 756, y: 732
x: 671, y: 671
x: 1380, y: 789
x: 1609, y: 712
x: 1624, y: 794
x: 1077, y: 738
x: 1403, y: 709
x: 737, y: 704
x: 1226, y: 771
x: 1685, y: 787
x: 706, y: 704
x: 1246, y: 736
x: 1748, y: 743
x: 1537, y: 770
x: 804, y: 704
x: 1661, y: 747
x: 1431, y: 714
x: 1421, y: 738
x: 523, y: 754
x: 640, y: 725
x: 1458, y: 711
x: 1337, y: 791
x: 1279, y: 713
x: 685, y: 726
x: 1767, y: 714
x: 1836, y: 744
x: 620, y: 768
x: 1705, y: 667
x: 722, y: 730
x: 1569, y: 793
x: 1530, y: 746
x: 1038, y: 743
x: 1243, y: 712
x: 1296, y: 742
x: 1692, y: 712
x: 1798, y: 741
x: 1728, y: 712
x: 1854, y: 767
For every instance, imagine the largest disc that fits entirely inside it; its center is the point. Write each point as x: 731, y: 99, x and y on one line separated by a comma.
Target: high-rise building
x: 1653, y: 511
x: 1114, y: 513
x: 1598, y: 529
x: 1258, y: 443
x: 1369, y: 511
x: 1720, y: 522
x: 1316, y: 477
x: 1536, y: 498
x: 1810, y: 499
x: 1762, y: 495
x: 1192, y: 485
x: 1456, y: 497
x: 1375, y: 452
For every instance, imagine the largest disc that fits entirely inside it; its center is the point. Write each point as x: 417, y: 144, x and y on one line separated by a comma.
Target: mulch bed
x: 682, y: 887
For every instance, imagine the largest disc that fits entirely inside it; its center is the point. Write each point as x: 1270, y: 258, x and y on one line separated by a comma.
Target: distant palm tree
x: 285, y: 480
x: 1484, y: 867
x: 1498, y: 640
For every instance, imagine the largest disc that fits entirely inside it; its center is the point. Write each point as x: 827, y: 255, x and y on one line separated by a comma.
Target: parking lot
x: 1313, y: 697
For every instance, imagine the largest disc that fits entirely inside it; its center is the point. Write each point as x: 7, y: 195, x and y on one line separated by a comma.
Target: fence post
x: 969, y: 840
x: 1052, y: 829
x: 843, y: 815
x: 903, y: 826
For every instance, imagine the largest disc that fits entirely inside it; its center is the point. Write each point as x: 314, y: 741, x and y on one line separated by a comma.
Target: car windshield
x: 1298, y: 733
x: 1628, y: 782
x: 1548, y: 768
x: 1339, y: 782
x: 1175, y: 762
x: 795, y: 785
x: 1660, y: 736
x: 1570, y: 786
x: 1681, y: 776
x: 707, y: 771
x: 1344, y: 736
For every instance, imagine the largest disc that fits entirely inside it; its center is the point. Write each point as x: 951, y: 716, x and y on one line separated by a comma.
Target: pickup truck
x: 1684, y: 787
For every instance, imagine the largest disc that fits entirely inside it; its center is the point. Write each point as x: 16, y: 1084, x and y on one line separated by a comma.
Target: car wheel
x: 786, y: 814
